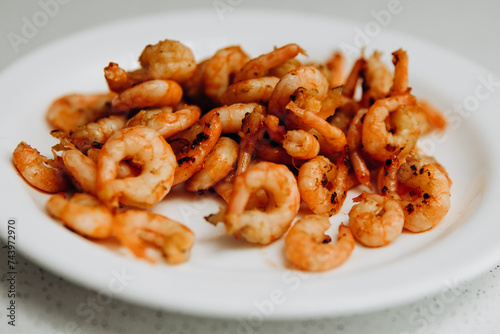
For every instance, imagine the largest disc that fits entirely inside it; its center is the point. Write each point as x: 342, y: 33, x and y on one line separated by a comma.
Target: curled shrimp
x: 146, y: 148
x: 72, y: 110
x: 258, y: 226
x: 258, y: 67
x: 428, y: 201
x: 308, y: 248
x: 42, y: 173
x: 376, y: 220
x: 331, y: 138
x: 197, y: 141
x: 219, y: 162
x: 219, y: 70
x: 232, y: 116
x: 251, y: 90
x: 282, y: 69
x: 96, y: 133
x: 308, y: 77
x: 82, y: 213
x: 381, y: 143
x: 168, y: 60
x: 323, y: 185
x: 354, y: 140
x: 300, y: 144
x: 148, y: 94
x: 166, y: 122
x: 119, y: 80
x: 82, y: 169
x: 140, y: 230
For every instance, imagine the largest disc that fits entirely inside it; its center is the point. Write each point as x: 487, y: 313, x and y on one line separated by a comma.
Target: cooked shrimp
x: 70, y: 111
x: 219, y: 162
x: 323, y: 185
x: 376, y: 220
x: 200, y: 139
x: 119, y: 80
x: 377, y: 79
x: 45, y: 174
x: 82, y: 213
x: 331, y: 138
x: 145, y: 147
x: 258, y: 226
x: 95, y: 134
x: 387, y: 181
x: 252, y: 131
x: 219, y: 70
x: 232, y: 116
x: 282, y: 69
x: 274, y: 129
x: 275, y: 153
x: 400, y: 83
x: 308, y: 77
x: 140, y: 230
x: 308, y: 247
x: 168, y: 60
x: 352, y: 79
x: 428, y: 201
x: 354, y: 137
x: 82, y: 169
x: 194, y: 87
x: 429, y: 118
x: 251, y: 90
x: 336, y: 65
x: 258, y: 67
x: 381, y: 143
x: 148, y: 94
x: 125, y: 168
x: 166, y: 122
x: 301, y: 144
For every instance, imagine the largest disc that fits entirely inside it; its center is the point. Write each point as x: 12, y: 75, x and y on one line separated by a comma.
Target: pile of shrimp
x: 267, y: 134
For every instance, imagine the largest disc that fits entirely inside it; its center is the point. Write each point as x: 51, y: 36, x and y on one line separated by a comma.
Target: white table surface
x: 48, y: 304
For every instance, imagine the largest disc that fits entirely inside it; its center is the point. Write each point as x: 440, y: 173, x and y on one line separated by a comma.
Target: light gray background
x: 48, y: 304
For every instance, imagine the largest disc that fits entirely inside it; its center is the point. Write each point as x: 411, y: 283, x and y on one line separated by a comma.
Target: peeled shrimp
x: 219, y: 162
x: 82, y: 213
x: 301, y: 144
x: 377, y: 81
x: 258, y: 67
x: 308, y: 77
x: 166, y: 122
x: 45, y: 174
x: 70, y: 111
x: 429, y: 118
x: 139, y: 230
x: 96, y: 133
x: 168, y: 60
x: 331, y: 138
x: 200, y: 139
x: 376, y: 220
x: 146, y: 148
x: 232, y: 116
x: 428, y: 201
x: 251, y: 90
x: 82, y: 169
x: 219, y: 70
x: 148, y: 94
x: 382, y: 143
x: 258, y: 226
x: 400, y: 82
x: 308, y: 248
x: 282, y: 69
x: 336, y: 65
x: 323, y: 185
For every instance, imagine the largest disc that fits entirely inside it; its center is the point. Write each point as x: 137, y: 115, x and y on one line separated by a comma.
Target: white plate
x: 227, y: 278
